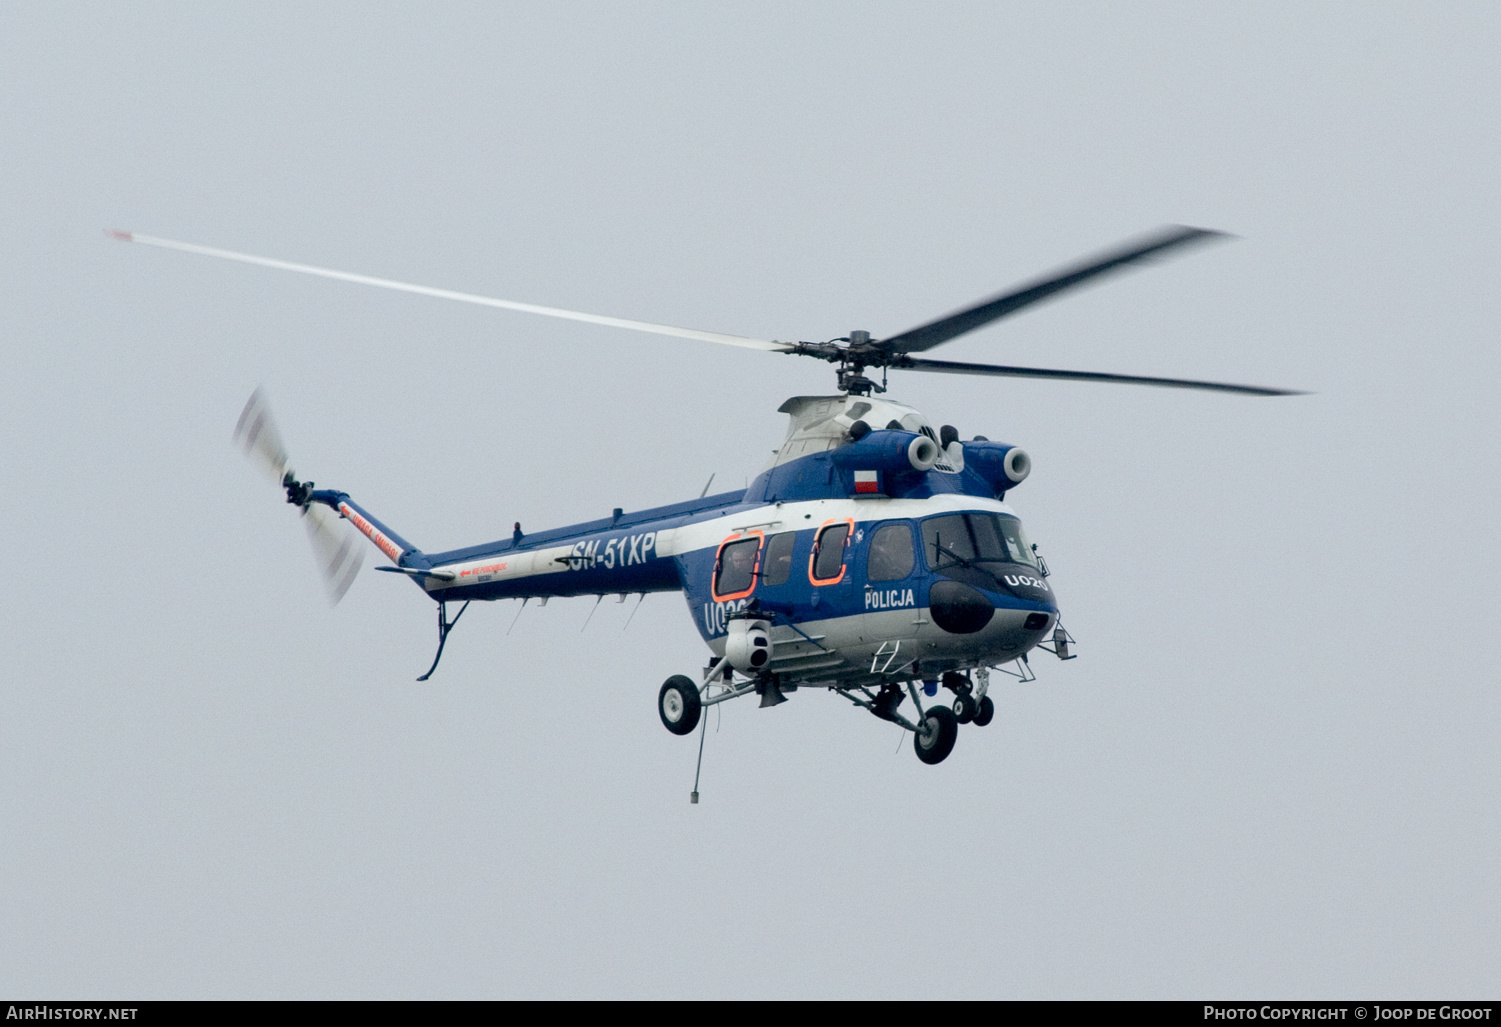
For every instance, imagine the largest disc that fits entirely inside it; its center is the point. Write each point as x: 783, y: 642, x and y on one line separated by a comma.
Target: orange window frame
x: 755, y: 571
x: 849, y: 536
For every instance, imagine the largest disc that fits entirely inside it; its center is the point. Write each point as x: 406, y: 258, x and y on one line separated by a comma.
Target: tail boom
x: 397, y: 549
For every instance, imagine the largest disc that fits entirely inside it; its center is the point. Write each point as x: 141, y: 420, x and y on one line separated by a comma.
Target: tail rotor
x: 334, y: 545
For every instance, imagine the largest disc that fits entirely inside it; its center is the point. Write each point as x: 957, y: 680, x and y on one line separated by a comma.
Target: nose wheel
x: 984, y: 711
x: 679, y: 704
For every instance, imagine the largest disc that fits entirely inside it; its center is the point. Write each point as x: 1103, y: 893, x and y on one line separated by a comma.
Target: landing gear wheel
x: 679, y: 705
x: 984, y: 712
x: 934, y: 738
x: 964, y: 708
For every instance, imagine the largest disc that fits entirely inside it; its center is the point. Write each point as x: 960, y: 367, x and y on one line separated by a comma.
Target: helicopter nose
x: 959, y: 609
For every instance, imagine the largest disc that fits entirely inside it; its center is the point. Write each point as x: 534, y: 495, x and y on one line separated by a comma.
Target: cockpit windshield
x: 975, y: 538
x: 1015, y: 539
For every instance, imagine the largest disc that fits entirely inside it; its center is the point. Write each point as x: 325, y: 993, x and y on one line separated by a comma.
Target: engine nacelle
x: 886, y: 452
x: 1002, y: 466
x: 922, y: 453
x: 748, y: 645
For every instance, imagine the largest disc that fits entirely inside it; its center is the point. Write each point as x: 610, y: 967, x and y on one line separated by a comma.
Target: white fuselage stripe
x: 706, y: 534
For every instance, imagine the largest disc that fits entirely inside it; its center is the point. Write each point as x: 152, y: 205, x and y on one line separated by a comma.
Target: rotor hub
x: 853, y: 381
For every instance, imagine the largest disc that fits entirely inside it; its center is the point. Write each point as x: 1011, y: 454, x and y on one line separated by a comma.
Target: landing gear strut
x: 444, y: 627
x: 934, y: 733
x: 681, y: 702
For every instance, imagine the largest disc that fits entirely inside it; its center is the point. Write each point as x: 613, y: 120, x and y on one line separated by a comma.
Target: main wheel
x: 934, y: 738
x: 679, y: 705
x: 984, y: 711
x: 964, y: 708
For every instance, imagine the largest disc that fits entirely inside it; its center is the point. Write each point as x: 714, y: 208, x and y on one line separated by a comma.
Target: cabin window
x: 828, y: 554
x: 890, y: 557
x: 735, y: 574
x: 777, y: 565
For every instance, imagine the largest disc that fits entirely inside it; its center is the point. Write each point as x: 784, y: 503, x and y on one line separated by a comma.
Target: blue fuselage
x: 836, y: 570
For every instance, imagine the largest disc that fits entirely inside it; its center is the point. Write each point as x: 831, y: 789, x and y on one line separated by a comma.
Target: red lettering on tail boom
x: 371, y: 532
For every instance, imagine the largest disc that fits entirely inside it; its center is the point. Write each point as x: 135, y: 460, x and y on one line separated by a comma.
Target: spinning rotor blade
x: 462, y: 297
x: 256, y: 434
x: 935, y: 333
x: 334, y: 544
x: 1000, y: 371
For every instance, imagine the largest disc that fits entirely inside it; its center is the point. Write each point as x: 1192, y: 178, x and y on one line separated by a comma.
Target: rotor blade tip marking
x: 119, y: 233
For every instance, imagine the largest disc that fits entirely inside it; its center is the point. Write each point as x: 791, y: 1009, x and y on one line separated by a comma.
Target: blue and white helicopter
x: 875, y: 556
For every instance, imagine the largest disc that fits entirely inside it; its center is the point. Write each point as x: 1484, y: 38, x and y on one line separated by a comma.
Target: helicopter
x: 875, y: 556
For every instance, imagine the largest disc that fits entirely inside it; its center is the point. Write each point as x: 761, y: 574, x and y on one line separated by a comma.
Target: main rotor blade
x: 1000, y: 371
x: 935, y: 333
x: 462, y: 297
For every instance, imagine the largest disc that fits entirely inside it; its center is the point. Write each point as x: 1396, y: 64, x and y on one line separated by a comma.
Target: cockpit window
x: 890, y: 556
x: 989, y: 542
x: 975, y: 538
x: 1016, y: 540
x: 946, y: 541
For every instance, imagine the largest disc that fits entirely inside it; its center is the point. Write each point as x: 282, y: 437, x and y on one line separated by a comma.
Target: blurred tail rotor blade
x: 256, y: 434
x: 337, y: 551
x: 334, y: 544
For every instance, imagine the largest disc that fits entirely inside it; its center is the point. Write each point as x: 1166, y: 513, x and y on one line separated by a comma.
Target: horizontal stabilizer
x: 417, y: 572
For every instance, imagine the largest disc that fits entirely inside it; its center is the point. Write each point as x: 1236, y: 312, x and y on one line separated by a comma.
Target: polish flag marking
x: 865, y: 481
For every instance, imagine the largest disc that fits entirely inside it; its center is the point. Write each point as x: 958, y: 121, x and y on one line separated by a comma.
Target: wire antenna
x: 703, y: 732
x: 633, y: 611
x: 518, y: 615
x: 591, y: 612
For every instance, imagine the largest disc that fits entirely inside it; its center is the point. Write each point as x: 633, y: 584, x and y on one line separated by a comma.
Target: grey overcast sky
x: 1273, y: 770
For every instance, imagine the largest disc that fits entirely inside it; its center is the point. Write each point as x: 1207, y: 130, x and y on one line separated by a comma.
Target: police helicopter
x: 875, y: 556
